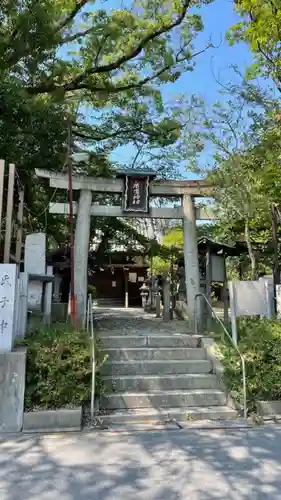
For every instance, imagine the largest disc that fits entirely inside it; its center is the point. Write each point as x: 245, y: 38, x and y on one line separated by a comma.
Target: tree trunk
x: 250, y: 251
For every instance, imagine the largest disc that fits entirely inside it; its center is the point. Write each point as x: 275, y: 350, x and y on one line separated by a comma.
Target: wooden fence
x: 9, y: 223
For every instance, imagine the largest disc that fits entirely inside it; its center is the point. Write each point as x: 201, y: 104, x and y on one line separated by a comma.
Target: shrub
x: 260, y: 342
x: 59, y: 368
x: 92, y: 290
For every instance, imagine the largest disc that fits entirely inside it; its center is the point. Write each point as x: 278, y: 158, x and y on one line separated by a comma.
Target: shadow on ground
x: 171, y: 465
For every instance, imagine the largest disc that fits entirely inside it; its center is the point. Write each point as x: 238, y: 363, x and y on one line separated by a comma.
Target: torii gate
x: 136, y: 205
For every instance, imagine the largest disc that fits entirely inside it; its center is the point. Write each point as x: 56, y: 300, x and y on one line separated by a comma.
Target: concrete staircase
x: 156, y: 378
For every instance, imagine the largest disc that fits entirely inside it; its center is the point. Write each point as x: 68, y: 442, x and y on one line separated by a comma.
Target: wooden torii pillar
x: 185, y: 190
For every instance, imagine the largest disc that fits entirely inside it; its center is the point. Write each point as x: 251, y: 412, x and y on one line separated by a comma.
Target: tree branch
x: 276, y: 79
x: 79, y: 4
x: 270, y: 61
x: 120, y: 131
x: 75, y: 36
x: 93, y: 137
x: 109, y: 89
x: 136, y: 156
x: 105, y: 37
x: 106, y: 68
x: 79, y: 81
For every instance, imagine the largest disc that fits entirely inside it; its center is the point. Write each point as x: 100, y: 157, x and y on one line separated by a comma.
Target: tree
x: 245, y: 169
x: 102, y: 69
x: 260, y: 27
x: 115, y: 59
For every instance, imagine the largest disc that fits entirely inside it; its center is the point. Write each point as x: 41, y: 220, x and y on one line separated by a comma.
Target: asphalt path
x: 165, y: 465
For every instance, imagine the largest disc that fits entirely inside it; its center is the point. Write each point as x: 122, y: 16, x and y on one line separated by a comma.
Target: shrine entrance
x: 137, y: 189
x: 118, y: 285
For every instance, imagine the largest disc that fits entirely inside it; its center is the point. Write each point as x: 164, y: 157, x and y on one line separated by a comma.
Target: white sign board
x: 133, y: 277
x: 248, y: 298
x: 8, y: 282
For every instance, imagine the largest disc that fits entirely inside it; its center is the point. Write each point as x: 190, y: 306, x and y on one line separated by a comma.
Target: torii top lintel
x: 166, y: 188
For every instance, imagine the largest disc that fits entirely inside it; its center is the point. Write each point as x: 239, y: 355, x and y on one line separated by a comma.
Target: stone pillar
x: 81, y: 250
x: 166, y: 300
x: 191, y: 263
x: 57, y: 283
x: 48, y: 299
x: 225, y: 294
x: 158, y: 305
x: 35, y: 263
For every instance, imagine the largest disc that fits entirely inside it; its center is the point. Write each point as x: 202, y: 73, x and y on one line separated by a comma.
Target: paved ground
x: 131, y: 321
x: 171, y: 465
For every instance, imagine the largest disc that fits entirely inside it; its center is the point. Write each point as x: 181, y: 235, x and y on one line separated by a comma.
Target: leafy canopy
x: 260, y: 27
x: 103, y: 69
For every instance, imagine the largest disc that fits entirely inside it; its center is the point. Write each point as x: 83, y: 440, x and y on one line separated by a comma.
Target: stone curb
x: 269, y: 408
x: 65, y: 420
x: 230, y: 425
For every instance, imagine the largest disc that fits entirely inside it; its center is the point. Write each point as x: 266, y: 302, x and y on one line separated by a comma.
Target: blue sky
x: 213, y: 64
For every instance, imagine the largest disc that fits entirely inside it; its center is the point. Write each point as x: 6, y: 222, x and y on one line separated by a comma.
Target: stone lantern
x: 144, y: 289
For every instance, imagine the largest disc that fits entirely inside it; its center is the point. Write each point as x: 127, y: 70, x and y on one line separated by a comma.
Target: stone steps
x: 109, y: 302
x: 144, y: 340
x: 156, y: 367
x: 162, y: 415
x: 145, y: 383
x: 157, y: 354
x: 156, y: 377
x: 162, y: 399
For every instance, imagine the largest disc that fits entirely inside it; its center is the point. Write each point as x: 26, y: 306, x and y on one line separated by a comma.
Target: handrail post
x: 90, y: 330
x: 195, y: 316
x: 233, y: 343
x: 244, y: 387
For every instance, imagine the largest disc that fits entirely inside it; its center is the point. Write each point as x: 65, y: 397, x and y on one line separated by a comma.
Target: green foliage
x: 161, y: 266
x: 173, y: 239
x: 245, y: 171
x: 172, y: 244
x: 58, y: 371
x: 102, y: 69
x: 260, y: 342
x: 92, y: 290
x: 260, y: 28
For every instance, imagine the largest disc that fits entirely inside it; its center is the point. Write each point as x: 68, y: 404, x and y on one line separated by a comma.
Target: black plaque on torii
x: 136, y: 191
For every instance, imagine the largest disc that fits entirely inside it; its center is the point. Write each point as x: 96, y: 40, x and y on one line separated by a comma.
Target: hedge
x: 260, y: 342
x: 59, y: 368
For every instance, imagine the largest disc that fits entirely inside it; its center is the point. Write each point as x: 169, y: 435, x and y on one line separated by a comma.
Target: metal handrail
x: 231, y: 340
x: 90, y: 329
